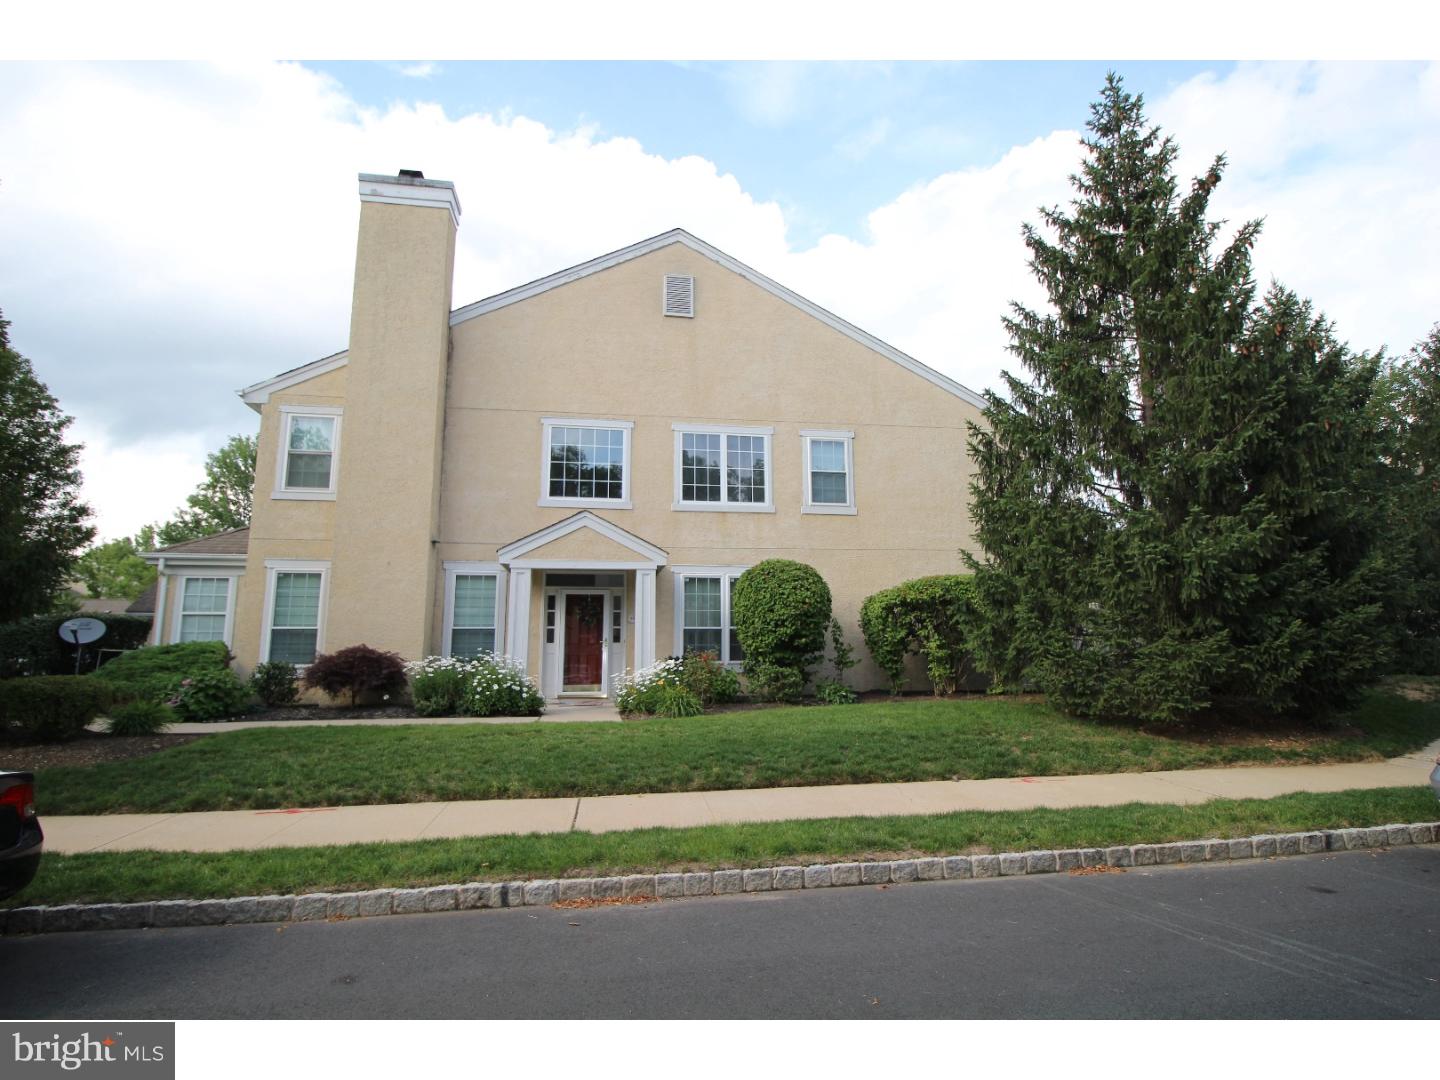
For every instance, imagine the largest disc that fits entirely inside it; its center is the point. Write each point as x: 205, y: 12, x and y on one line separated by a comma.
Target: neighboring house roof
x: 258, y: 393
x: 104, y: 605
x: 225, y: 547
x: 144, y: 604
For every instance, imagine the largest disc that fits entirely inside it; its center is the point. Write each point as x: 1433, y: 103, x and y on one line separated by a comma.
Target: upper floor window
x: 309, y: 452
x: 722, y: 468
x: 829, y: 472
x: 586, y: 463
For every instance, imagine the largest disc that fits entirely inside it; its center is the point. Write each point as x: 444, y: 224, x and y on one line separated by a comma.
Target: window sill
x: 725, y: 508
x: 821, y: 509
x: 305, y: 496
x: 588, y: 504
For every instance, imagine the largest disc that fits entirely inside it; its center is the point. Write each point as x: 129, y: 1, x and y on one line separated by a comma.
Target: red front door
x: 584, y: 642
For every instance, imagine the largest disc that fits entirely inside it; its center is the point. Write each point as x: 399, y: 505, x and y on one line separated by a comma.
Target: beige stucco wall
x: 600, y: 348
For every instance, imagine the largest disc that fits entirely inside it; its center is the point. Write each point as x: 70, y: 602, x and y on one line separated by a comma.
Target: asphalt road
x: 1352, y: 935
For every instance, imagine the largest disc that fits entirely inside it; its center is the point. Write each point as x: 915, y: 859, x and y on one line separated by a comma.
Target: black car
x: 20, y: 836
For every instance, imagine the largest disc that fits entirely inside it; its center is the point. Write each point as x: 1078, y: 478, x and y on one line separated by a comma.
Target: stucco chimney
x: 387, y: 502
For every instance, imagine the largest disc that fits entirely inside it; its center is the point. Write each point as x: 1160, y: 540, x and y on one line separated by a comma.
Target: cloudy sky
x: 174, y: 231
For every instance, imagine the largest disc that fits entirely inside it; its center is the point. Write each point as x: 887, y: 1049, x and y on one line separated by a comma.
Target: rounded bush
x: 209, y: 695
x: 359, y: 671
x: 274, y: 683
x: 933, y: 617
x: 139, y: 718
x: 152, y: 672
x: 781, y: 610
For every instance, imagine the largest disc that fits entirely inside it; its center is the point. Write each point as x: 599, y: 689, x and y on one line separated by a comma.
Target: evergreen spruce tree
x: 1175, y: 507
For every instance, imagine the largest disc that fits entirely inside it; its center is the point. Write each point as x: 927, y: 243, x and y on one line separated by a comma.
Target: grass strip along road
x: 265, y: 768
x: 156, y: 875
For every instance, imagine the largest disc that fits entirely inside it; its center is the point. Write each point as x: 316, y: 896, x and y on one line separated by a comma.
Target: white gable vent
x: 680, y: 295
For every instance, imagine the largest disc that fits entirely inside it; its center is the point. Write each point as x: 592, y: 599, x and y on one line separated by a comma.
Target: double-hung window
x: 829, y: 472
x: 702, y: 611
x: 204, y: 609
x: 306, y: 466
x: 474, y: 600
x: 586, y: 463
x: 722, y: 468
x: 295, y: 611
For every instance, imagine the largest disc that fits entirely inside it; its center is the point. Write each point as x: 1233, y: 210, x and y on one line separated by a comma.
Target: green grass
x: 155, y: 875
x: 264, y: 768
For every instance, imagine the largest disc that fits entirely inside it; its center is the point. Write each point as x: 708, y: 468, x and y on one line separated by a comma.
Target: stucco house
x: 573, y: 472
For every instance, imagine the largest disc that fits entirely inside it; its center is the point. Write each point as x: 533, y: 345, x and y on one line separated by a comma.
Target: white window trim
x: 848, y: 438
x: 724, y: 573
x: 294, y: 566
x: 459, y: 568
x: 288, y: 413
x: 546, y: 499
x: 178, y: 602
x: 724, y: 505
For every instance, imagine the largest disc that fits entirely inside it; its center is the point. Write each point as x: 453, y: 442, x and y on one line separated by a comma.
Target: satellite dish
x: 82, y: 631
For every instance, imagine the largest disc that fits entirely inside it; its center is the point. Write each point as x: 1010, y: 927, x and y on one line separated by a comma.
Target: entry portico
x: 580, y: 603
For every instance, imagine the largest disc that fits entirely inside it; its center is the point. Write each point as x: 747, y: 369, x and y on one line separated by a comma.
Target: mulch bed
x: 90, y: 749
x: 327, y: 712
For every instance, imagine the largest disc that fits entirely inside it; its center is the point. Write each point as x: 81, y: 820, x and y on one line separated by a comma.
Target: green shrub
x: 439, y: 685
x: 359, y: 671
x: 153, y: 672
x: 209, y: 695
x: 641, y: 692
x: 710, y: 681
x: 139, y: 718
x: 771, y: 682
x: 274, y: 683
x: 51, y: 708
x: 677, y: 701
x: 33, y: 647
x: 834, y: 692
x: 781, y: 610
x: 498, y: 686
x: 932, y: 617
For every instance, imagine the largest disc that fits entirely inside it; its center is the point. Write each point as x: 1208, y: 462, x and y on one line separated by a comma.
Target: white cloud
x: 175, y: 232
x: 425, y: 69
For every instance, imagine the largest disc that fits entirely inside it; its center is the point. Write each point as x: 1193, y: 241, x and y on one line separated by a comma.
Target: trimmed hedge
x: 153, y: 673
x: 33, y: 647
x: 930, y: 616
x: 51, y: 708
x: 781, y: 610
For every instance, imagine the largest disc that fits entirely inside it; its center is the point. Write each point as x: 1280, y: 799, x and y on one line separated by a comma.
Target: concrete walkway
x: 248, y: 829
x: 556, y: 712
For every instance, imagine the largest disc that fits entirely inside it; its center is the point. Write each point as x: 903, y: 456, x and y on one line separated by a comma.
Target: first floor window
x: 705, y: 623
x: 473, y: 631
x: 295, y: 620
x: 204, y: 602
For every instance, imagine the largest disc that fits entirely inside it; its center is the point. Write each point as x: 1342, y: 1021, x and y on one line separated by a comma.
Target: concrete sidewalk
x: 249, y: 829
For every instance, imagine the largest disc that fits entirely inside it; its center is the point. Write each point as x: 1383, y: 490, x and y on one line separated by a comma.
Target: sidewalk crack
x: 575, y: 816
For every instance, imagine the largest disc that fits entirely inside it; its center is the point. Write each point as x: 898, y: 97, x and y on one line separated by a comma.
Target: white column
x: 162, y: 579
x: 517, y: 618
x: 644, y: 618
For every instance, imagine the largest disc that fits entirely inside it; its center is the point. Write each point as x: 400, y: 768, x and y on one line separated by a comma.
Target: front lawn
x: 265, y: 768
x: 158, y: 875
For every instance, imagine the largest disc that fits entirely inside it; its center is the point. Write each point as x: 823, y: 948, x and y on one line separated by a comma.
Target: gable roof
x: 643, y: 549
x: 258, y: 393
x: 144, y: 604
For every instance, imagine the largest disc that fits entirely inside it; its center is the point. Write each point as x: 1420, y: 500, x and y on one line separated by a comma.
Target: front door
x: 584, y: 663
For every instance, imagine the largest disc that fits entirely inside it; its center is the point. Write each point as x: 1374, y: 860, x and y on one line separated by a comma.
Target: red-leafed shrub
x: 359, y: 671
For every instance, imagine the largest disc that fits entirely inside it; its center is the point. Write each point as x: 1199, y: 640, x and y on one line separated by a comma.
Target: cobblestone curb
x: 476, y: 895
